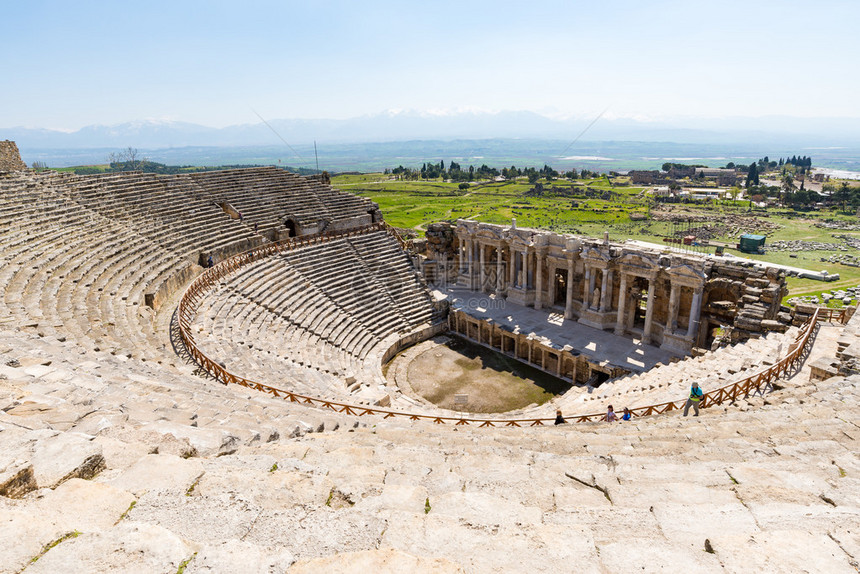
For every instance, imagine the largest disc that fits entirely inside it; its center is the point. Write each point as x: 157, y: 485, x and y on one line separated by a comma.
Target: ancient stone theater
x: 209, y: 372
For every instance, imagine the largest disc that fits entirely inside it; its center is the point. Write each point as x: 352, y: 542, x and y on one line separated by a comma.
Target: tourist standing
x: 626, y: 416
x: 696, y: 395
x: 559, y: 420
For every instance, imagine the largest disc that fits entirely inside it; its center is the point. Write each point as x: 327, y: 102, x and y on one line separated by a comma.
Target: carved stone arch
x: 721, y: 289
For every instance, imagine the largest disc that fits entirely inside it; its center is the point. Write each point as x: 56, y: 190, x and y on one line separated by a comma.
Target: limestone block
x: 207, y: 442
x: 804, y: 309
x: 484, y: 508
x: 570, y: 498
x: 159, y: 472
x: 777, y: 326
x: 239, y: 557
x: 785, y: 551
x: 690, y: 524
x: 76, y: 505
x: 382, y: 560
x: 16, y: 478
x: 128, y: 547
x: 275, y: 489
x: 324, y: 531
x: 752, y: 292
x: 560, y: 547
x: 403, y: 498
x: 657, y: 556
x: 64, y: 456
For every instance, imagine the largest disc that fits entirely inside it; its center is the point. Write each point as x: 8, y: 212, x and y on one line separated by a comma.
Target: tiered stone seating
x: 266, y: 196
x: 118, y: 468
x: 82, y: 253
x: 109, y: 462
x: 321, y: 316
x: 670, y: 382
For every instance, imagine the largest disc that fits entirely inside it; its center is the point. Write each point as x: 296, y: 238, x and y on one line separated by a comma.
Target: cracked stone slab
x: 159, y: 472
x: 65, y: 456
x: 237, y: 556
x: 382, y: 560
x: 26, y: 526
x: 128, y: 547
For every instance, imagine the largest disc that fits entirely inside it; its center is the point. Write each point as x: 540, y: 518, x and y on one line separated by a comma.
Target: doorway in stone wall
x: 560, y: 287
x: 291, y: 228
x: 640, y: 302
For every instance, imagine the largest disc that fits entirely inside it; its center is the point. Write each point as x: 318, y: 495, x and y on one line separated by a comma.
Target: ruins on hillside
x: 677, y: 301
x: 10, y: 158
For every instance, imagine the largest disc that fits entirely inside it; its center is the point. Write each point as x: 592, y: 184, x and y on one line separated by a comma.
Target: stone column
x: 550, y: 295
x: 500, y: 281
x: 538, y: 280
x: 586, y: 289
x: 483, y: 267
x: 470, y: 246
x: 622, y: 305
x: 512, y: 268
x: 522, y: 274
x: 568, y: 304
x: 605, y: 287
x: 674, y: 303
x: 695, y: 312
x: 649, y: 311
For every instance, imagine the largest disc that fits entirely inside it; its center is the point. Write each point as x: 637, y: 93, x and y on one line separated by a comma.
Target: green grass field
x: 414, y: 204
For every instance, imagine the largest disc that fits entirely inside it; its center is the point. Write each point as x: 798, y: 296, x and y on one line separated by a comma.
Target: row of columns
x: 520, y: 274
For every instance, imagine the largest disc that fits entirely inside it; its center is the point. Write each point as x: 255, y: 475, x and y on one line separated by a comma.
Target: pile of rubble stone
x: 715, y: 225
x: 800, y: 245
x: 847, y: 296
x: 841, y: 225
x: 850, y: 240
x: 843, y: 259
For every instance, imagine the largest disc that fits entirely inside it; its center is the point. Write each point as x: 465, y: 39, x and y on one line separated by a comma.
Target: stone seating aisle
x: 118, y: 461
x: 402, y: 283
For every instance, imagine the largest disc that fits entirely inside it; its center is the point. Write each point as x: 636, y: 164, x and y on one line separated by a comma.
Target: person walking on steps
x: 696, y: 395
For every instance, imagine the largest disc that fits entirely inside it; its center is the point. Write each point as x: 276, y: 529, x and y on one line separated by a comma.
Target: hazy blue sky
x: 70, y: 64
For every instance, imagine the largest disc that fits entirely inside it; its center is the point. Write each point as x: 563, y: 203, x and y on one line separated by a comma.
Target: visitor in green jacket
x: 696, y: 395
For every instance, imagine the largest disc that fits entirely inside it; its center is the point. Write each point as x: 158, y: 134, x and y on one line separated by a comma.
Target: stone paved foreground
x: 128, y: 475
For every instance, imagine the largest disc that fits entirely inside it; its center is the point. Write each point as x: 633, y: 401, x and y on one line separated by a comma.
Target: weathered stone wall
x: 10, y: 158
x: 680, y: 301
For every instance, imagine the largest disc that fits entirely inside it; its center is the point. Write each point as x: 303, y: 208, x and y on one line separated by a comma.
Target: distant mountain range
x: 405, y: 126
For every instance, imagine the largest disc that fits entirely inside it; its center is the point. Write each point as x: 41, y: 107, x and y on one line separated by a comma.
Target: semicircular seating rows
x: 82, y: 255
x: 321, y: 316
x: 113, y: 453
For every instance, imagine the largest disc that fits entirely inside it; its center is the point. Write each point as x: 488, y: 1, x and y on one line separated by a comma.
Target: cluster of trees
x: 680, y: 166
x: 455, y: 172
x: 799, y: 164
x: 790, y: 195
